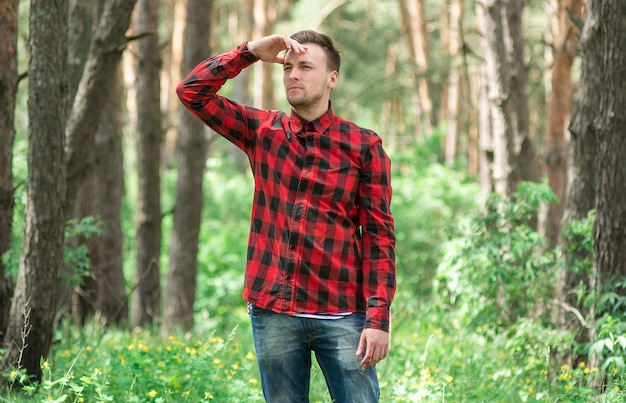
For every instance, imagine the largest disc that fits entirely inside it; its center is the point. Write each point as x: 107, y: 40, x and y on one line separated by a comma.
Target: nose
x: 293, y: 74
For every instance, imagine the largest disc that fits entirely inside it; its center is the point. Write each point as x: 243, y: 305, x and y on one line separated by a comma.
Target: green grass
x: 432, y: 360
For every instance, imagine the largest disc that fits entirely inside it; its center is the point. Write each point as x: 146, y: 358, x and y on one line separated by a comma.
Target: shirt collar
x: 320, y: 124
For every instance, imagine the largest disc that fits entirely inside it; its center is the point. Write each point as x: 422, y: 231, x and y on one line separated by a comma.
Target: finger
x: 362, y: 345
x: 371, y: 356
x: 295, y: 46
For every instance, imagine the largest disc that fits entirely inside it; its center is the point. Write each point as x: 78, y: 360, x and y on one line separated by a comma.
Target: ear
x: 332, y: 80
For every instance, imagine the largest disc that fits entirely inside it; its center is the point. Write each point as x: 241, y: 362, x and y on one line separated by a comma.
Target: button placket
x: 298, y: 214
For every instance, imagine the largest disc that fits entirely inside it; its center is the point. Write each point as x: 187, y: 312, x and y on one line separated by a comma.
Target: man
x: 320, y: 273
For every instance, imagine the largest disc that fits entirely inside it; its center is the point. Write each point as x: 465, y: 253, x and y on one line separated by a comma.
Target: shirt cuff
x: 378, y: 318
x: 243, y: 48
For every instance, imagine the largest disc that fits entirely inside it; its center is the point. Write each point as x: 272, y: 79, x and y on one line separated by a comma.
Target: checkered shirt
x: 322, y: 234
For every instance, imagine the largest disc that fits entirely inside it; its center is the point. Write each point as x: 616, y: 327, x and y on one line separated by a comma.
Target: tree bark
x: 30, y: 330
x: 82, y: 24
x: 514, y: 157
x: 8, y: 89
x: 112, y: 302
x: 192, y: 154
x: 147, y: 293
x: 454, y: 99
x: 414, y: 27
x: 582, y: 183
x: 565, y: 45
x: 242, y: 16
x: 610, y: 225
x: 105, y: 52
x: 265, y: 13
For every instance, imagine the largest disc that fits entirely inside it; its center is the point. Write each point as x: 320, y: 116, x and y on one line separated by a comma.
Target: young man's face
x: 307, y: 78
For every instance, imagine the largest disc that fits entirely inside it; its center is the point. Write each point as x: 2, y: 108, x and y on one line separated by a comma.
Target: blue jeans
x: 284, y: 344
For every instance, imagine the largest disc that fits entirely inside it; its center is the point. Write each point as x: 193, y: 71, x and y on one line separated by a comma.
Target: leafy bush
x: 500, y: 269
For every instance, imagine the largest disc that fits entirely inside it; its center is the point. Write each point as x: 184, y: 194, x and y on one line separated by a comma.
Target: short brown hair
x: 324, y: 41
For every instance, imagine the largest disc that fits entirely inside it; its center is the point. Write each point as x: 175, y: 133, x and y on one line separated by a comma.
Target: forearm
x: 198, y: 93
x: 205, y: 80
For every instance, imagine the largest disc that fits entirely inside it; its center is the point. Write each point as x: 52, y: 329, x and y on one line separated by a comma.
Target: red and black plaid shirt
x: 322, y: 235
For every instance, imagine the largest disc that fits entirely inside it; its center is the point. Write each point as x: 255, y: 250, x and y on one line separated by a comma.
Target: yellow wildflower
x: 153, y: 393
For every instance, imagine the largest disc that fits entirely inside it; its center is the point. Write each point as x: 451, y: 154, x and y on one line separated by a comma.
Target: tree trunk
x: 147, y: 293
x: 514, y: 158
x: 565, y: 44
x: 192, y: 154
x: 172, y: 27
x: 265, y: 13
x: 112, y: 302
x: 8, y: 89
x: 84, y: 288
x: 73, y: 297
x: 105, y: 52
x: 414, y: 27
x: 568, y: 313
x: 30, y: 331
x: 610, y: 225
x: 241, y: 92
x: 454, y: 99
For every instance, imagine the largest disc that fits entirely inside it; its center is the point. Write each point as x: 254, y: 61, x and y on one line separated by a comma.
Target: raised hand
x: 268, y: 48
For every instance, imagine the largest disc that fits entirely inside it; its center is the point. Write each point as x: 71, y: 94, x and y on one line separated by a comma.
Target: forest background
x: 123, y: 221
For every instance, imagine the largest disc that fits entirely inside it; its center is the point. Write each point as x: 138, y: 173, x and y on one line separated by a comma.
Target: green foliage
x: 578, y: 235
x: 139, y: 367
x: 500, y: 268
x: 435, y: 356
x: 77, y: 257
x: 427, y: 200
x: 611, y: 343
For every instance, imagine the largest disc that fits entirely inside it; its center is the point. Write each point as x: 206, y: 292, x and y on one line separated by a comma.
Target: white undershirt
x: 322, y: 315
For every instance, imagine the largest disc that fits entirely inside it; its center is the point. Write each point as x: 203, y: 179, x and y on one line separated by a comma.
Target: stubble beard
x: 304, y: 102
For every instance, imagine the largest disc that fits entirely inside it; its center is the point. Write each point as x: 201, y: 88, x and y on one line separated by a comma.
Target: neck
x: 312, y: 113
